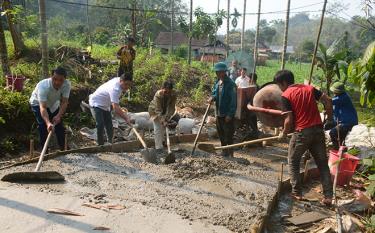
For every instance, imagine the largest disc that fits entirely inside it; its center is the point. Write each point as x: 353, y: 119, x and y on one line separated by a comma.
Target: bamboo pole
x: 317, y: 41
x: 256, y: 38
x: 44, y: 38
x: 172, y: 26
x: 190, y: 30
x: 88, y: 24
x: 214, y: 56
x: 228, y: 21
x: 243, y: 25
x: 285, y: 45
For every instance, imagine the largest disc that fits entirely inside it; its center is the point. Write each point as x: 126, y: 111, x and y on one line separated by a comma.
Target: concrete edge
x: 119, y: 147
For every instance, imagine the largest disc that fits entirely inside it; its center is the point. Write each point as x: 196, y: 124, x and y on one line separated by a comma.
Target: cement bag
x: 143, y: 123
x: 134, y: 115
x: 185, y: 125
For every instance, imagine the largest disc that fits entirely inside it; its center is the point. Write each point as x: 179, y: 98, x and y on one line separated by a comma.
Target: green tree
x: 3, y: 50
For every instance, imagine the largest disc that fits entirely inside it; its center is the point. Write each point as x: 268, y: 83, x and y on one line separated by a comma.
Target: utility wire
x: 180, y: 12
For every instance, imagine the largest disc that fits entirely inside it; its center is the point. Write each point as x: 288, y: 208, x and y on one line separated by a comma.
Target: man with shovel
x: 49, y: 101
x: 304, y: 120
x: 107, y: 96
x: 225, y: 95
x: 161, y: 109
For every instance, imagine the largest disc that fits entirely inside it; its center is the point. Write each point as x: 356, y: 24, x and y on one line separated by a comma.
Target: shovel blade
x: 208, y: 147
x: 149, y: 155
x: 33, y: 177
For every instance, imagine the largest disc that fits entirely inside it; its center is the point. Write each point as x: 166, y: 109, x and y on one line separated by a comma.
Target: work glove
x: 329, y: 124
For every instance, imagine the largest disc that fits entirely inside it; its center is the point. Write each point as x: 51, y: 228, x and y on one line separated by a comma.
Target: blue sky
x: 353, y: 8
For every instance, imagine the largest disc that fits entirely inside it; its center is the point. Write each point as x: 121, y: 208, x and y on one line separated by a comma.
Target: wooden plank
x: 308, y: 217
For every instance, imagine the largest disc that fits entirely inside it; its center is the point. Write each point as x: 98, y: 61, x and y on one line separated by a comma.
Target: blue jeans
x: 103, y: 120
x: 42, y: 127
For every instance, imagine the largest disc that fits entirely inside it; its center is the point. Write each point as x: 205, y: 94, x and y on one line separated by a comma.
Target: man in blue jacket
x: 344, y: 114
x: 225, y: 96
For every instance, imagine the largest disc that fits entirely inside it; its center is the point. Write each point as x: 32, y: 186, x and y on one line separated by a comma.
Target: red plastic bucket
x: 15, y: 83
x: 347, y: 166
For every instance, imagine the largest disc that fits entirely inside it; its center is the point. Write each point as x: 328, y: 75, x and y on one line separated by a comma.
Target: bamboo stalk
x: 317, y: 41
x: 285, y: 45
x: 256, y: 38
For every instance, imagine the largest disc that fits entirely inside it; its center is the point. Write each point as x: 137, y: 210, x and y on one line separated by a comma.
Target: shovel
x: 210, y: 148
x: 200, y: 128
x: 170, y: 157
x: 148, y: 154
x: 36, y: 175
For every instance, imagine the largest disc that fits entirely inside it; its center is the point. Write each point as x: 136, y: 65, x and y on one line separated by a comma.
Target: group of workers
x: 49, y: 102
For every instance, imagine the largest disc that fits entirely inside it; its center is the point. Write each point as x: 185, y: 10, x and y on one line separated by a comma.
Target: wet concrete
x: 204, y: 193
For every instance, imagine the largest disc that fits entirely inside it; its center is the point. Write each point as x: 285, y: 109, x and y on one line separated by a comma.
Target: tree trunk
x: 18, y: 44
x: 3, y: 51
x: 190, y: 30
x: 44, y: 38
x: 285, y: 45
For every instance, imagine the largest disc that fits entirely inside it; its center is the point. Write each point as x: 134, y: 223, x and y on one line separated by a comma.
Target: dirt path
x: 206, y: 193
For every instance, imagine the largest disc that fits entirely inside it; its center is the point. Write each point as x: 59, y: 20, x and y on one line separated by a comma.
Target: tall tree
x: 3, y: 50
x: 190, y: 30
x: 18, y: 43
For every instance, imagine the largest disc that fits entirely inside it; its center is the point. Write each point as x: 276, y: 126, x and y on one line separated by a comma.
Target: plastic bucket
x: 15, y: 83
x: 347, y: 166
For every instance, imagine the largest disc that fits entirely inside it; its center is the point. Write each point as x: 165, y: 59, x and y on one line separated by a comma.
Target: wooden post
x: 31, y: 154
x: 190, y: 30
x: 256, y: 38
x: 44, y: 38
x: 172, y: 26
x: 243, y: 25
x: 214, y: 56
x: 88, y: 24
x: 228, y: 22
x: 134, y: 19
x: 285, y: 45
x: 3, y: 52
x: 317, y: 41
x: 66, y: 141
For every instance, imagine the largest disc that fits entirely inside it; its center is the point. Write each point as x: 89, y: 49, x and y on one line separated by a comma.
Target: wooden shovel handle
x: 249, y: 142
x: 168, y: 141
x: 140, y: 138
x: 201, y: 127
x: 41, y: 157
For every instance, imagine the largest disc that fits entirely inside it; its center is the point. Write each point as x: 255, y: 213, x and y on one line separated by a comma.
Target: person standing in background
x: 126, y: 54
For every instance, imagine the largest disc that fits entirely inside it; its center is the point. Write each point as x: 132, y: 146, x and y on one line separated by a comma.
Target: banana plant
x: 330, y: 61
x: 362, y: 72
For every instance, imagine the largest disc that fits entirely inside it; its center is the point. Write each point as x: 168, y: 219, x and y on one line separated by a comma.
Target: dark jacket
x: 228, y: 97
x: 343, y: 110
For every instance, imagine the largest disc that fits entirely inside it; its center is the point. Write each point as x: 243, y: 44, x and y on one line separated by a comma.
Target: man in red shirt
x: 304, y: 120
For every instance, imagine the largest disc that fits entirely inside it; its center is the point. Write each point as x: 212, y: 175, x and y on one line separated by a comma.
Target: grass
x: 300, y: 71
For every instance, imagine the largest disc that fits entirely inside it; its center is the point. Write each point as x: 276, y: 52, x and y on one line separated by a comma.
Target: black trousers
x: 226, y: 132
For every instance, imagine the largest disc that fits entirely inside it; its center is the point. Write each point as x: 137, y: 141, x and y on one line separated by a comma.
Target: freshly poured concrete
x: 205, y: 193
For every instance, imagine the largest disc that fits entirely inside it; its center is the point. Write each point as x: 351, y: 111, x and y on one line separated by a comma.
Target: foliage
x: 305, y: 50
x: 300, y: 70
x: 181, y: 51
x: 329, y: 59
x: 363, y: 74
x: 204, y: 26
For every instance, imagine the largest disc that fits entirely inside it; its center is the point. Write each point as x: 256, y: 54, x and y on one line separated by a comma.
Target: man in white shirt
x: 107, y: 96
x: 49, y: 101
x: 243, y: 81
